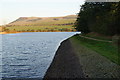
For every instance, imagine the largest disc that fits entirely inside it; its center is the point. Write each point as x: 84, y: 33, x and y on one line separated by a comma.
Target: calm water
x: 28, y: 55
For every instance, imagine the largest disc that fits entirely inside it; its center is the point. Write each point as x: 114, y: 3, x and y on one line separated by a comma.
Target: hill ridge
x: 38, y: 20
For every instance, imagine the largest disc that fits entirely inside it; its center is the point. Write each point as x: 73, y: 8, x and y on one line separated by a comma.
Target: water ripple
x: 28, y: 55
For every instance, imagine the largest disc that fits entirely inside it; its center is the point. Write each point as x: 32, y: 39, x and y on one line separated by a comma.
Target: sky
x: 11, y: 10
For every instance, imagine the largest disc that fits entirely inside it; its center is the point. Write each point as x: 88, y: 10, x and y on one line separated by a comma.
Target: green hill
x: 42, y: 24
x: 44, y: 21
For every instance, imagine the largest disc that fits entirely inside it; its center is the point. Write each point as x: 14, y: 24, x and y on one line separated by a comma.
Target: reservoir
x: 28, y: 55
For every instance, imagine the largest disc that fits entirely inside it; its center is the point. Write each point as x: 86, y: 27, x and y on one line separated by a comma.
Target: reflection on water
x: 28, y: 55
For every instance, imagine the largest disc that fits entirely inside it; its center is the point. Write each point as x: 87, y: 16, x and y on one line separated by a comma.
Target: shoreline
x: 10, y: 32
x: 72, y: 63
x: 62, y: 66
x: 24, y: 32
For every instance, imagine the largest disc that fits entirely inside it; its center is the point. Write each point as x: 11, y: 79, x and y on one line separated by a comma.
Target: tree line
x: 99, y: 17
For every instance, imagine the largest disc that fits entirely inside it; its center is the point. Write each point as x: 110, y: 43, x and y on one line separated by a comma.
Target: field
x: 0, y: 28
x: 40, y: 28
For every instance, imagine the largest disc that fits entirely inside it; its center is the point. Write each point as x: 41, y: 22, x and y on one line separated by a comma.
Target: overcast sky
x: 13, y: 9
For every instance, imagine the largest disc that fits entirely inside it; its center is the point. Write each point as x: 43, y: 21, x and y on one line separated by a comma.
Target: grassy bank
x: 103, y: 48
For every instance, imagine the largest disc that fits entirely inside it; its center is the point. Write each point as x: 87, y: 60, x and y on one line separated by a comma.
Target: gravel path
x: 65, y: 63
x: 94, y: 39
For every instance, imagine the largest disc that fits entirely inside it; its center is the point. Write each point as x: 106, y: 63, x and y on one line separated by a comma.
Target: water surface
x: 28, y: 55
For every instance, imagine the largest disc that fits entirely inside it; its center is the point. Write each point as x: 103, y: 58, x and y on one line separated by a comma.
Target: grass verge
x: 104, y: 48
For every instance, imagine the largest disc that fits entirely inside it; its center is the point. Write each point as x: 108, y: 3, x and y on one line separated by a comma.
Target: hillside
x: 42, y: 24
x: 44, y: 21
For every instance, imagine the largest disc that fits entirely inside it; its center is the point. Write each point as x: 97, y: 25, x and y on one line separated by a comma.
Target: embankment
x: 65, y: 63
x: 81, y: 62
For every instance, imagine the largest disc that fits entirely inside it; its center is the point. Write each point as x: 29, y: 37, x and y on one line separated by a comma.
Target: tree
x: 99, y: 17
